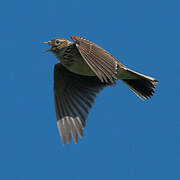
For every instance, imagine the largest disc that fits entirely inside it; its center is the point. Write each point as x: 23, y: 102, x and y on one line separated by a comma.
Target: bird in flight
x: 84, y: 69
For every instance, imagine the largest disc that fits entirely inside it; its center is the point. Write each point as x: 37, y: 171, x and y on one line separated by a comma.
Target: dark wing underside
x: 100, y: 61
x: 74, y: 96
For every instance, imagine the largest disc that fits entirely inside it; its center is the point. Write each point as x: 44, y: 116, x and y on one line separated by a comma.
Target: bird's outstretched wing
x: 100, y: 61
x: 74, y: 95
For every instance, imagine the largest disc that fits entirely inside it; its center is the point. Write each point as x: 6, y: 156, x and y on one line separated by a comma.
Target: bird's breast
x: 79, y: 66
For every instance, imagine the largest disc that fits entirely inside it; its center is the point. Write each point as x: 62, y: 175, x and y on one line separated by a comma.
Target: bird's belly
x: 79, y: 66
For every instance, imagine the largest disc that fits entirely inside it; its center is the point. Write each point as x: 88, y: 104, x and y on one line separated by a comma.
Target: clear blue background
x: 125, y: 138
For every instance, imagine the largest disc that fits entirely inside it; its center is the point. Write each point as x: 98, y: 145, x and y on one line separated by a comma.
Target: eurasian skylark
x: 83, y: 70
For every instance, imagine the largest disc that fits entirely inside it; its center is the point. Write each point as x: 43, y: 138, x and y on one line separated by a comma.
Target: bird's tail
x: 143, y: 86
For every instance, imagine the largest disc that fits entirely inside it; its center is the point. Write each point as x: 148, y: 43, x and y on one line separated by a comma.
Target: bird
x: 83, y: 70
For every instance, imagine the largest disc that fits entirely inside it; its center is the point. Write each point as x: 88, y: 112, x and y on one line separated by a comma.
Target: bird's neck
x: 60, y: 53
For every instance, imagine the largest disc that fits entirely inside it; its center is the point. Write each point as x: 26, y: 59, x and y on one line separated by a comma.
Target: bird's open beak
x: 48, y: 42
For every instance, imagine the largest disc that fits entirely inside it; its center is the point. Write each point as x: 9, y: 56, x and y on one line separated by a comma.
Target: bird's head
x: 57, y: 44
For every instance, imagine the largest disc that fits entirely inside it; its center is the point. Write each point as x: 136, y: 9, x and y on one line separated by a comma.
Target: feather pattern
x: 142, y: 87
x: 74, y: 96
x: 100, y: 61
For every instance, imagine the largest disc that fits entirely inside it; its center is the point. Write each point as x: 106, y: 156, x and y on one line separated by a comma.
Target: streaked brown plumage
x: 83, y: 71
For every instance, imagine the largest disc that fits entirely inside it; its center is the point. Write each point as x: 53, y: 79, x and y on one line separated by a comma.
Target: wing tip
x: 69, y: 133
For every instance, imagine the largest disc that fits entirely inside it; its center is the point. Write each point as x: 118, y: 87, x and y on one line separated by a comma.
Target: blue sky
x: 125, y: 138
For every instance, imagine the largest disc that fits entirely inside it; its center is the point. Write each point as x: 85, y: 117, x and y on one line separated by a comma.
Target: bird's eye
x: 57, y: 41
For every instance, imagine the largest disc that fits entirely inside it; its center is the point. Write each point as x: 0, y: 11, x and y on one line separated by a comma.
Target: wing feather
x: 100, y: 61
x: 74, y: 96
